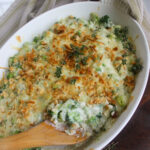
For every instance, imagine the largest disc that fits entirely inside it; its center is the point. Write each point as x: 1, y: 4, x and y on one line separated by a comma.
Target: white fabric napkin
x: 22, y: 11
x: 142, y: 16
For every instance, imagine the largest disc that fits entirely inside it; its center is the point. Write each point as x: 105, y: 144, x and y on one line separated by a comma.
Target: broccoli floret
x: 105, y: 21
x: 11, y: 61
x: 121, y: 33
x: 121, y: 101
x: 129, y: 46
x: 58, y: 72
x: 36, y: 39
x: 93, y: 122
x: 94, y: 18
x: 75, y: 116
x: 10, y: 75
x: 136, y: 68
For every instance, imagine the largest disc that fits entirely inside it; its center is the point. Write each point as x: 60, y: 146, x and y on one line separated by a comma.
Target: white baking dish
x: 82, y: 10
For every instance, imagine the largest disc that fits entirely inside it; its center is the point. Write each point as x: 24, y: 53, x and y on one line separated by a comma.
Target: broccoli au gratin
x: 77, y: 74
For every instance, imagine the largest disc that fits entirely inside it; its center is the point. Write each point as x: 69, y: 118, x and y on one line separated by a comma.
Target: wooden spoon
x: 41, y: 135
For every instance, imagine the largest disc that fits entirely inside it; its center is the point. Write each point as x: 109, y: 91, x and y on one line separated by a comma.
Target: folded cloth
x: 22, y: 11
x: 138, y: 9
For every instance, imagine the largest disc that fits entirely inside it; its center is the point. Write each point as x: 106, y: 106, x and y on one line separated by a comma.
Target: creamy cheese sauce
x: 77, y: 74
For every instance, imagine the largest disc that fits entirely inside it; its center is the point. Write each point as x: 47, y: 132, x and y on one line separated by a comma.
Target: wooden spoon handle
x: 30, y: 138
x: 41, y: 135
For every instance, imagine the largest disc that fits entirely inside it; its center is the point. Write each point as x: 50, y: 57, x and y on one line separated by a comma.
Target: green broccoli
x: 105, y: 21
x: 136, y: 68
x: 121, y: 33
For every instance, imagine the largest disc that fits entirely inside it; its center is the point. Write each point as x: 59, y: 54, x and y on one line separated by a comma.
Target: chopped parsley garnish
x: 129, y: 46
x: 72, y: 81
x: 77, y: 66
x: 109, y: 35
x: 121, y: 33
x: 94, y: 35
x: 136, y: 68
x: 58, y: 72
x: 125, y: 55
x: 109, y: 75
x: 44, y: 57
x: 11, y: 61
x: 84, y: 61
x: 18, y: 65
x: 98, y: 69
x: 83, y: 47
x: 78, y: 33
x: 35, y: 59
x: 105, y: 20
x: 10, y: 75
x: 124, y: 61
x: 36, y: 39
x: 103, y: 65
x: 1, y: 97
x: 75, y: 48
x: 3, y: 87
x: 75, y: 51
x: 63, y: 62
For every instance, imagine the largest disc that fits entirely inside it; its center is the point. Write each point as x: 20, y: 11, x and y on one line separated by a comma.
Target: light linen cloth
x: 142, y: 16
x: 22, y: 11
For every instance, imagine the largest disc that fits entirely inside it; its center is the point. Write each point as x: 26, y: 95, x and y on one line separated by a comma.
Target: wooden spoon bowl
x: 41, y: 135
